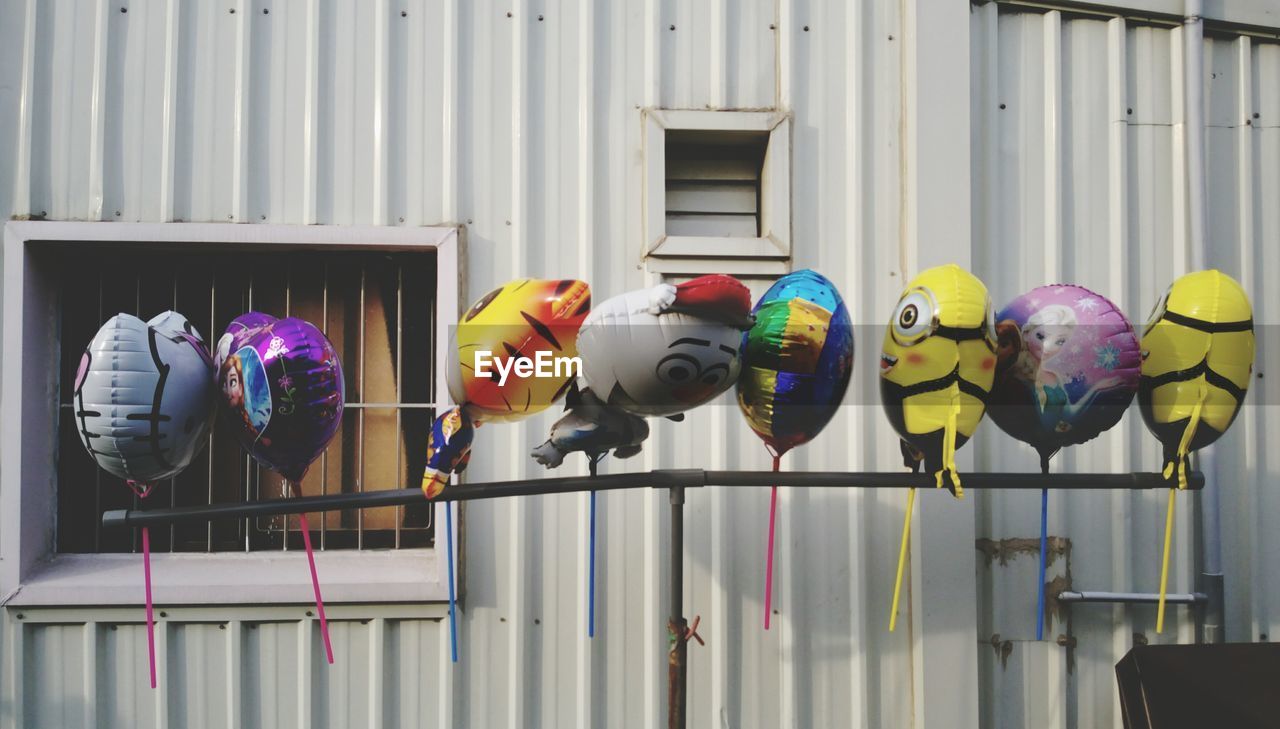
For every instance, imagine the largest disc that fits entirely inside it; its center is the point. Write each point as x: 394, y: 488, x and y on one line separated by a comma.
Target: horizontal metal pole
x: 687, y: 478
x: 1134, y: 598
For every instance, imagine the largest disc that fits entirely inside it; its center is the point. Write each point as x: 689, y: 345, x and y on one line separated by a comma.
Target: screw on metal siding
x: 1129, y: 110
x: 1256, y: 115
x: 404, y: 13
x: 1002, y: 106
x: 233, y: 11
x: 673, y: 27
x: 310, y: 614
x: 773, y: 26
x: 265, y: 11
x: 806, y: 29
x: 163, y: 614
x: 539, y: 18
x: 508, y: 13
x: 124, y: 10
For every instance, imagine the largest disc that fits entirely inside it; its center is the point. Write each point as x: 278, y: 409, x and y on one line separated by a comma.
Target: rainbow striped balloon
x: 796, y: 360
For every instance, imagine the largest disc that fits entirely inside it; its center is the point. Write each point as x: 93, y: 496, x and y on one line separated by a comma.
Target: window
x: 717, y: 192
x: 382, y: 295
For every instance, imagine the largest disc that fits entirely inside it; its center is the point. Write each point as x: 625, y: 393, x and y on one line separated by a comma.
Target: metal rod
x: 1133, y: 598
x: 677, y: 626
x: 670, y: 478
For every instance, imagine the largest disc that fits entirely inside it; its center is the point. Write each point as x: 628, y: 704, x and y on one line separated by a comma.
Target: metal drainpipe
x: 1211, y: 579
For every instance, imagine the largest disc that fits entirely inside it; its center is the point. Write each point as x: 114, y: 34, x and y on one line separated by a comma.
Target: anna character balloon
x: 282, y: 394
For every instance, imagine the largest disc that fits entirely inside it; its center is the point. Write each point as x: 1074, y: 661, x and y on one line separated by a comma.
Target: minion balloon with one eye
x: 1197, y: 357
x: 936, y: 371
x: 937, y: 367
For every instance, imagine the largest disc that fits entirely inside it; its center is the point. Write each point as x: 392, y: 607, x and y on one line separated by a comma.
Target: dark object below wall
x: 1225, y: 685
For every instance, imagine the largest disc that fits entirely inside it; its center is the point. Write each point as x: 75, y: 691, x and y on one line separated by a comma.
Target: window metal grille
x: 378, y: 309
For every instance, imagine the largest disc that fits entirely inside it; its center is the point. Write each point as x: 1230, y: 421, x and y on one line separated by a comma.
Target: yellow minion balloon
x: 936, y: 369
x: 1197, y: 357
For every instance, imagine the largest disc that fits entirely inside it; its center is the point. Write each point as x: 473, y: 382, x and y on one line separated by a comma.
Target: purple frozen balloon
x: 282, y: 390
x: 1068, y: 367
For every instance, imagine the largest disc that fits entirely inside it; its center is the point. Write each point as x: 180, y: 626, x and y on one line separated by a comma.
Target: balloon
x: 144, y: 396
x: 797, y: 360
x: 523, y: 318
x: 666, y: 349
x: 448, y: 450
x: 936, y: 370
x: 938, y: 365
x: 1197, y: 358
x: 143, y: 404
x: 1067, y: 367
x: 593, y: 428
x: 282, y: 390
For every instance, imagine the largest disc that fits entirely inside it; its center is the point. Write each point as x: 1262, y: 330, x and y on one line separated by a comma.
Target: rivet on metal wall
x: 773, y: 26
x: 163, y: 614
x: 1256, y: 115
x: 1002, y: 106
x: 232, y: 11
x: 1128, y: 111
x: 673, y: 27
x: 266, y: 12
x: 508, y: 13
x: 404, y: 13
x: 539, y: 18
x: 806, y: 29
x: 124, y: 10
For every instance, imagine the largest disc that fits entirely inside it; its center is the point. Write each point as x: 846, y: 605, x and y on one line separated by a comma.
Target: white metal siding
x: 521, y: 121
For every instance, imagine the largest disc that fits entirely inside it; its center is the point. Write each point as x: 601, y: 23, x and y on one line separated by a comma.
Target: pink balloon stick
x: 768, y: 567
x: 151, y: 620
x: 315, y: 586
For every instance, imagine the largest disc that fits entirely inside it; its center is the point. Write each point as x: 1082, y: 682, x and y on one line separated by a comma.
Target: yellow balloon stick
x: 902, y: 558
x: 1164, y: 569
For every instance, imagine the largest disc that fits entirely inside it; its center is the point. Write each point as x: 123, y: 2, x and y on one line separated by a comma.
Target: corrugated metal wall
x: 521, y: 121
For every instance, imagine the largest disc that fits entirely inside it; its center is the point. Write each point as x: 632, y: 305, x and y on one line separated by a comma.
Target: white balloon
x: 144, y: 396
x: 642, y: 358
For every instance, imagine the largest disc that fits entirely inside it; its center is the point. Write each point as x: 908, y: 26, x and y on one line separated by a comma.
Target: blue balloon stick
x: 591, y: 574
x: 453, y: 616
x: 1044, y: 542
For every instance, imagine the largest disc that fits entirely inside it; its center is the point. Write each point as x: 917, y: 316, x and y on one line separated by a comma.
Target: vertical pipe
x: 677, y: 666
x: 1210, y: 527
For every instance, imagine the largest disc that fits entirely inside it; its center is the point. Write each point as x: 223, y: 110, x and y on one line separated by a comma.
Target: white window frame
x: 32, y: 573
x: 768, y: 254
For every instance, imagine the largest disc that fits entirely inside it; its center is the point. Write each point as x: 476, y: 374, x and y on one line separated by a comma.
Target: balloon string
x: 143, y: 492
x: 1164, y: 567
x: 768, y: 564
x: 315, y: 578
x: 902, y: 558
x: 453, y: 602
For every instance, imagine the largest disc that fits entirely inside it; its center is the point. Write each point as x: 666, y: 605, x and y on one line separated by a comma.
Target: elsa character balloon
x: 1044, y: 337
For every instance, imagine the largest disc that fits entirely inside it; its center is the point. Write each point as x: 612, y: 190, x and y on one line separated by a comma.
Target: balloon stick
x: 151, y: 620
x: 1044, y: 540
x: 142, y: 492
x: 315, y: 578
x: 453, y: 615
x: 1164, y: 568
x: 1044, y: 544
x: 902, y: 558
x: 768, y: 566
x: 592, y: 461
